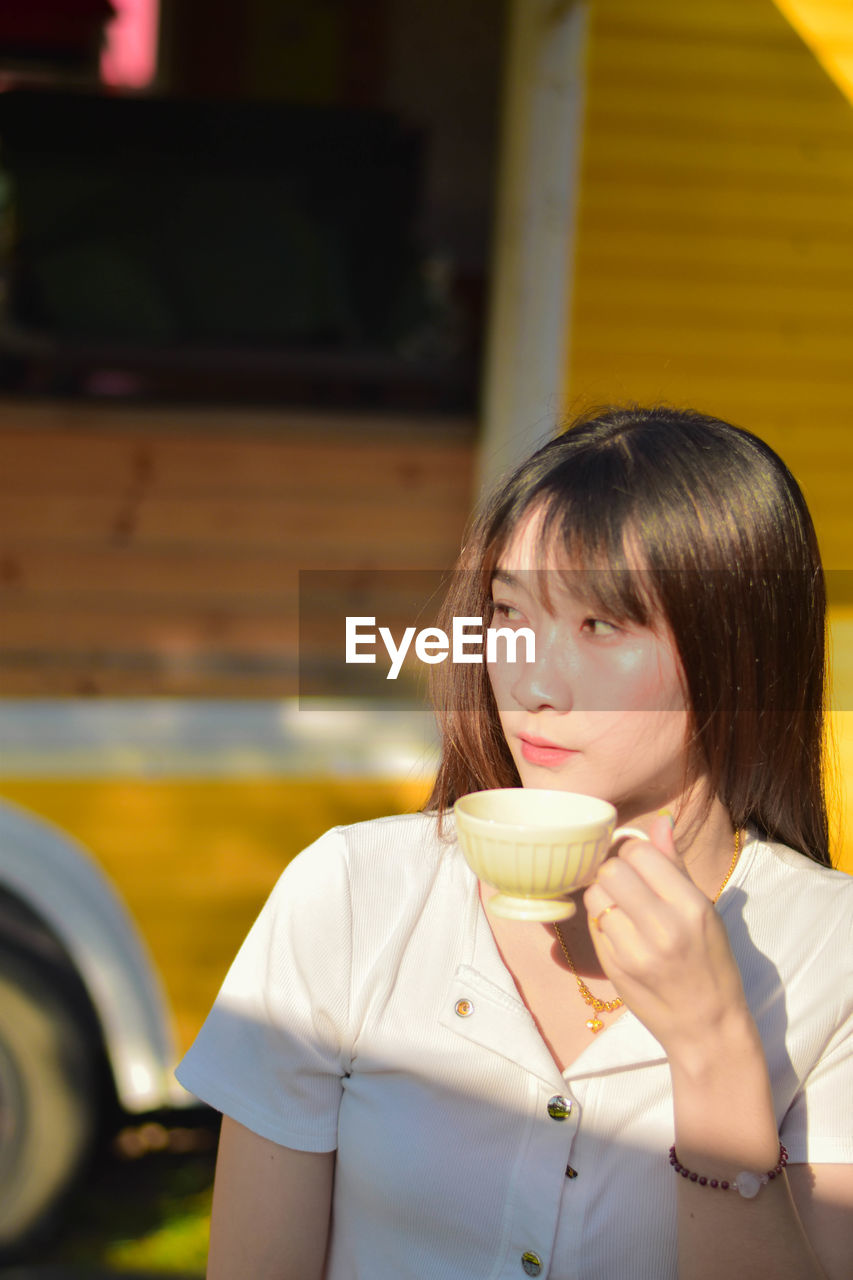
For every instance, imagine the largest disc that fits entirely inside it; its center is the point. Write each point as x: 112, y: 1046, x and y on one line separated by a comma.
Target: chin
x: 541, y: 780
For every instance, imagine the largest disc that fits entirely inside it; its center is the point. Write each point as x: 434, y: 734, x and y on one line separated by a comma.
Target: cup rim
x: 599, y: 811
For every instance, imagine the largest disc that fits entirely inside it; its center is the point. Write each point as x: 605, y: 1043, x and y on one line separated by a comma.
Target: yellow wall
x: 827, y: 28
x: 714, y: 258
x: 194, y: 859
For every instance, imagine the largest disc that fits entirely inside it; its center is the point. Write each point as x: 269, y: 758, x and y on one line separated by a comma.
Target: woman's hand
x: 665, y: 949
x: 662, y: 944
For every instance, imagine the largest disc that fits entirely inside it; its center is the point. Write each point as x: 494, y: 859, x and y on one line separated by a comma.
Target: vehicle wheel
x: 47, y: 1097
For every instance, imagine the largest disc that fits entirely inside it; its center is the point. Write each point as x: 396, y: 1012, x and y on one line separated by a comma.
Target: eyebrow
x: 509, y: 579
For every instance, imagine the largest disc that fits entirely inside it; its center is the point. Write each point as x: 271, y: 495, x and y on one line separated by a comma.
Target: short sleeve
x: 275, y: 1047
x: 818, y: 1126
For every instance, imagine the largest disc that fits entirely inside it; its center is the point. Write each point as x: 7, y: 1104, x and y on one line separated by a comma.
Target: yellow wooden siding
x: 827, y: 28
x: 714, y: 261
x: 150, y: 551
x: 194, y: 859
x: 714, y: 250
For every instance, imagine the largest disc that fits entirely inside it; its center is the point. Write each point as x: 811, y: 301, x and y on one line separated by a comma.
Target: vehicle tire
x: 48, y: 1106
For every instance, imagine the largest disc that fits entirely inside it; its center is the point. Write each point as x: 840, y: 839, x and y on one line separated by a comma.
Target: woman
x: 413, y: 1088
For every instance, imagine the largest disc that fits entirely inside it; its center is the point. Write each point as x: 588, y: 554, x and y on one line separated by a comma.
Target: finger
x: 614, y: 935
x: 662, y: 834
x: 597, y: 903
x: 663, y: 875
x: 636, y: 891
x: 637, y: 908
x: 604, y: 925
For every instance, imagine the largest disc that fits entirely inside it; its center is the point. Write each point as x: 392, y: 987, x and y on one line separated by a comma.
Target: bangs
x: 601, y: 551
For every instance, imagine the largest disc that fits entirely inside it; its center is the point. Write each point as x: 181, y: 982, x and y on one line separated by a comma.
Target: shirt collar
x: 500, y: 1020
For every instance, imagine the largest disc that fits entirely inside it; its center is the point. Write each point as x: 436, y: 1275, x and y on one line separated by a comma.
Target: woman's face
x: 601, y: 710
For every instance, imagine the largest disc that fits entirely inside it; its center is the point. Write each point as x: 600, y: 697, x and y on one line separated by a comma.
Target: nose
x: 545, y: 683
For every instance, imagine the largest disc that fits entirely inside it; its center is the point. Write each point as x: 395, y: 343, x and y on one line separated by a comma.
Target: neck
x: 706, y: 844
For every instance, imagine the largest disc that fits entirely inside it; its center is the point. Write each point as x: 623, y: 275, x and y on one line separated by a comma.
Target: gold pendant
x: 594, y: 1024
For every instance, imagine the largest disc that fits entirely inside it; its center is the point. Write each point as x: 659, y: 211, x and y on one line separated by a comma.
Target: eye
x: 505, y: 612
x: 599, y: 627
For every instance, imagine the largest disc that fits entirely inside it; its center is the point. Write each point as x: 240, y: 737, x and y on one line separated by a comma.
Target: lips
x: 541, y: 751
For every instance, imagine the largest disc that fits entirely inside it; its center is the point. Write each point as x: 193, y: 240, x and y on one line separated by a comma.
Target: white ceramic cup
x: 536, y: 846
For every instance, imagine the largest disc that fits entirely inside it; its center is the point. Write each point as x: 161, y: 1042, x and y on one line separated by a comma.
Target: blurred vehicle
x: 84, y: 1024
x: 188, y: 822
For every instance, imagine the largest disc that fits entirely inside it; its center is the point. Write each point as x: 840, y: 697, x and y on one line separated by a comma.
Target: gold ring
x: 596, y: 920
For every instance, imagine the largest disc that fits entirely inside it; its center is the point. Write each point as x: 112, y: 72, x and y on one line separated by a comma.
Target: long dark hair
x: 732, y: 564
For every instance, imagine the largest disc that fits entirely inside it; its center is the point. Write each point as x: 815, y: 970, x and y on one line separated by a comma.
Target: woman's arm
x: 667, y: 952
x: 724, y: 1123
x: 271, y: 1209
x: 823, y: 1194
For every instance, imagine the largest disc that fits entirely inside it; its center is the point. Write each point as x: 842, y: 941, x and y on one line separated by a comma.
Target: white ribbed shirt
x: 369, y: 1011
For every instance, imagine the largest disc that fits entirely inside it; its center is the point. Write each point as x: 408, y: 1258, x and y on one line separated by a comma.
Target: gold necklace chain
x: 594, y: 1024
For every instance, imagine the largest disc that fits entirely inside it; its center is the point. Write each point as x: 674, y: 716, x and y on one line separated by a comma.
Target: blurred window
x: 129, y: 59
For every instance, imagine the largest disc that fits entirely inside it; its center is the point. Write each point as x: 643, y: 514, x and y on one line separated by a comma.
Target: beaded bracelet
x: 746, y: 1184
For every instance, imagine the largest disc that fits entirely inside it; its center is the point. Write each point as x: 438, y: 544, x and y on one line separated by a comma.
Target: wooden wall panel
x: 147, y: 552
x: 714, y: 251
x: 714, y: 260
